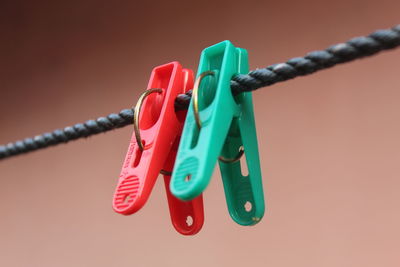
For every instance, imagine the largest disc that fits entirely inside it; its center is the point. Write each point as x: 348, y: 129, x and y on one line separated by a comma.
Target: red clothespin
x: 153, y: 149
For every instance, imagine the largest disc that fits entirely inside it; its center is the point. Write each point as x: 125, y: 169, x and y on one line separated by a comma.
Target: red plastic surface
x: 187, y: 216
x: 160, y: 130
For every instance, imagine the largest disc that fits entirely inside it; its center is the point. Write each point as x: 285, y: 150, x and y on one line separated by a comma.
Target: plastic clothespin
x: 153, y: 149
x: 220, y: 126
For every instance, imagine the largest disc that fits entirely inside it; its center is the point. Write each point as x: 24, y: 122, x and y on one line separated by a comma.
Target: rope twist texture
x: 79, y: 130
x: 355, y: 48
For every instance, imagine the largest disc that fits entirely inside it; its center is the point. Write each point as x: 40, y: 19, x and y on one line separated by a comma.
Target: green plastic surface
x: 227, y: 124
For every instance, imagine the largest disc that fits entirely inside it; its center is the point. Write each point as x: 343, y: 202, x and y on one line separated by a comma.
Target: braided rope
x: 355, y: 48
x: 79, y: 130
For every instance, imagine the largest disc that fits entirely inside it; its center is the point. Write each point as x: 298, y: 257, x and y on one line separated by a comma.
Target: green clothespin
x: 220, y: 126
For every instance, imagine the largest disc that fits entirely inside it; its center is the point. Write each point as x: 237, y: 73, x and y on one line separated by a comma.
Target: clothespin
x: 221, y: 127
x: 153, y: 147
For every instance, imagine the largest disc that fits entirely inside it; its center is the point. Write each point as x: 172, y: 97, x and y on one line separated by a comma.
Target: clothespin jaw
x: 153, y: 148
x: 217, y: 122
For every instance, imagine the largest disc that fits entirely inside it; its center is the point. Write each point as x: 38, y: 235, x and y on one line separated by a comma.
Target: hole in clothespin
x: 138, y: 155
x: 195, y: 136
x: 189, y: 220
x: 188, y: 177
x: 243, y: 165
x: 248, y: 206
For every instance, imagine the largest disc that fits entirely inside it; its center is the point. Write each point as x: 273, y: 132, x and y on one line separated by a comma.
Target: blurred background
x: 328, y: 142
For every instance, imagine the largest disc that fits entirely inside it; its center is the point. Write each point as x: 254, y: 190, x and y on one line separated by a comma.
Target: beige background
x: 330, y: 146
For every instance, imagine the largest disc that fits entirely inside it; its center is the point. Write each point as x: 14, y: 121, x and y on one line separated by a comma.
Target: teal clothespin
x: 220, y: 126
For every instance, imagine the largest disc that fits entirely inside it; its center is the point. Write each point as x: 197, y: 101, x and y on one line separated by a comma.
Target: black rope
x: 318, y: 60
x: 90, y: 127
x: 355, y: 48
